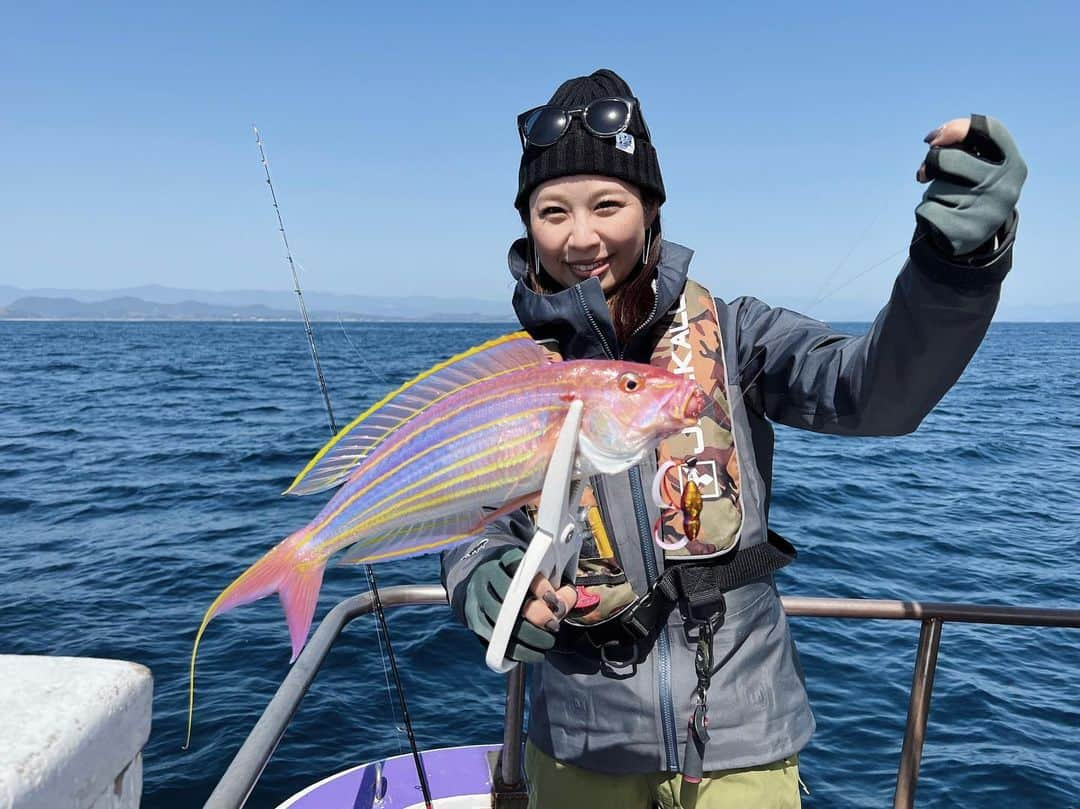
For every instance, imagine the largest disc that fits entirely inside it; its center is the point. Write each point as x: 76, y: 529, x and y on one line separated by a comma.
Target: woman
x: 670, y: 657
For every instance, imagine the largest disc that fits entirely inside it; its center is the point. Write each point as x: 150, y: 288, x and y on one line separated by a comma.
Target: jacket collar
x: 578, y: 317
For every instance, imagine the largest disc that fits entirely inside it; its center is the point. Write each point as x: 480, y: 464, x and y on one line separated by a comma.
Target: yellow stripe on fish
x: 432, y: 425
x: 424, y: 501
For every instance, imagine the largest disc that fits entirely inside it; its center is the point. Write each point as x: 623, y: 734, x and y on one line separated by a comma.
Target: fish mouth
x: 694, y: 405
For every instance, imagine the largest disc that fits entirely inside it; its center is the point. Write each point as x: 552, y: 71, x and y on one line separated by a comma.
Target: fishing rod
x: 296, y: 287
x: 377, y: 602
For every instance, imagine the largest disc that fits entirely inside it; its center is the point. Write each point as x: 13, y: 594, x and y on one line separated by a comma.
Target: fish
x: 439, y: 458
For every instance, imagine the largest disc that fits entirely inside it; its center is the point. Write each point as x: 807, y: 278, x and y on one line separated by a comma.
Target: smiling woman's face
x: 588, y: 226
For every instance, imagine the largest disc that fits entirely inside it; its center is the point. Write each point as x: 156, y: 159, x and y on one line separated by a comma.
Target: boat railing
x: 239, y: 780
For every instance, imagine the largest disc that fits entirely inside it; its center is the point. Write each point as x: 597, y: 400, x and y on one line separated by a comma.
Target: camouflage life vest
x: 702, y: 456
x: 702, y: 475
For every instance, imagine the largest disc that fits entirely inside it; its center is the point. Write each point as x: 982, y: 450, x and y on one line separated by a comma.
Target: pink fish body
x: 439, y: 458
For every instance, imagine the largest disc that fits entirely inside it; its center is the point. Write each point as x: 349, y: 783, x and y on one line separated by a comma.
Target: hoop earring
x: 646, y: 249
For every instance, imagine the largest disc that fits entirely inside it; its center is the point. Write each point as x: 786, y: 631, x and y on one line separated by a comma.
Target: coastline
x: 354, y: 319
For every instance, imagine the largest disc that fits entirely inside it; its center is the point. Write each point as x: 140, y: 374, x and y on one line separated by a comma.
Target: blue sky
x: 788, y: 135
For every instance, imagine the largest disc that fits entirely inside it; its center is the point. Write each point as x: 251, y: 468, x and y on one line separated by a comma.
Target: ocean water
x: 142, y: 465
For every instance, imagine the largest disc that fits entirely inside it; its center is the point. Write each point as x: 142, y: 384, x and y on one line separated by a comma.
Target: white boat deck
x: 73, y: 732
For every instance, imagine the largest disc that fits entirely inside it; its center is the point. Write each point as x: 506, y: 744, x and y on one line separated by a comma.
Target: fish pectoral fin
x: 336, y: 461
x: 375, y: 550
x: 418, y: 538
x: 428, y: 536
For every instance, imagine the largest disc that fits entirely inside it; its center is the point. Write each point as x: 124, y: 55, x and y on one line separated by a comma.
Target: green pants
x: 553, y: 785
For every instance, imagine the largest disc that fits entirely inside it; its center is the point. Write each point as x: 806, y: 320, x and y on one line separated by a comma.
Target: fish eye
x: 629, y: 382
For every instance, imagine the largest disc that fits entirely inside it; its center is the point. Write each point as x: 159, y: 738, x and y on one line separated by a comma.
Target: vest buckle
x: 639, y: 619
x: 710, y: 612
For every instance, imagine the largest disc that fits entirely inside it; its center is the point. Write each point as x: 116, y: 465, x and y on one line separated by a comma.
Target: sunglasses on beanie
x: 605, y: 117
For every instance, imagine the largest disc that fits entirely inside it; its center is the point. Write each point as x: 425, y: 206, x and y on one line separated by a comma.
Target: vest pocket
x: 603, y: 592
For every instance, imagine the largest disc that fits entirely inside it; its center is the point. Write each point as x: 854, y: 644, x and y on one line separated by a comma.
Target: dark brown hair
x: 632, y: 301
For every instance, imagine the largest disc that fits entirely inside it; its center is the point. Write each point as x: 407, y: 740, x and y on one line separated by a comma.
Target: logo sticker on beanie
x: 624, y: 142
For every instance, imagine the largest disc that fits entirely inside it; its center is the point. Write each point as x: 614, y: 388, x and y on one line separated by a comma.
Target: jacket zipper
x: 644, y: 324
x: 592, y: 322
x: 663, y: 642
x: 652, y: 573
x: 652, y: 570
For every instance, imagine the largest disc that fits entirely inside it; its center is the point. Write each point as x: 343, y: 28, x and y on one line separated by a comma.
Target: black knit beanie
x: 578, y: 151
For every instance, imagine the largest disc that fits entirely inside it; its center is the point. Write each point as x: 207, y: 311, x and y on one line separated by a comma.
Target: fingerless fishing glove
x: 484, y: 596
x: 973, y: 190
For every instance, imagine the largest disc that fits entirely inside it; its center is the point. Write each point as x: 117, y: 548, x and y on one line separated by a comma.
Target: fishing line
x: 389, y: 693
x: 363, y: 359
x: 854, y: 245
x: 379, y: 613
x: 818, y: 300
x: 873, y: 266
x: 371, y: 368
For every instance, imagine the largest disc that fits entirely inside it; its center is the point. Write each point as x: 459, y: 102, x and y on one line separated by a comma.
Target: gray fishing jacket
x: 782, y: 367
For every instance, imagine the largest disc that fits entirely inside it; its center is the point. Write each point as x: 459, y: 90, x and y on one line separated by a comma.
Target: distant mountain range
x: 166, y: 303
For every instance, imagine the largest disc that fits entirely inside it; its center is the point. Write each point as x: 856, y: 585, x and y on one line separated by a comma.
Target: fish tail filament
x: 283, y: 570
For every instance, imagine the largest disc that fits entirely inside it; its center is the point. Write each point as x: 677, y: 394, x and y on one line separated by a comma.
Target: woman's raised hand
x: 975, y: 173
